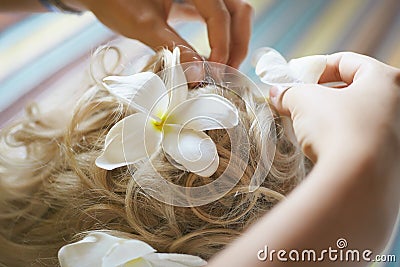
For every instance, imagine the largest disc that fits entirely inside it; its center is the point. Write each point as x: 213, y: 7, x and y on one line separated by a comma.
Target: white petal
x: 174, y: 260
x: 143, y: 91
x: 273, y: 69
x: 194, y: 150
x: 308, y: 69
x: 125, y: 251
x: 205, y: 112
x: 258, y: 53
x: 176, y: 82
x: 87, y: 252
x: 131, y: 139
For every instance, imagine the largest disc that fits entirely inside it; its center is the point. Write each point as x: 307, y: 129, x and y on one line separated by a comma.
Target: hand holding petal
x: 308, y: 69
x: 273, y: 69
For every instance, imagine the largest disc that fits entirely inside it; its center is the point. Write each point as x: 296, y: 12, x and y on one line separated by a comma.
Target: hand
x: 343, y: 196
x: 362, y: 117
x: 228, y: 23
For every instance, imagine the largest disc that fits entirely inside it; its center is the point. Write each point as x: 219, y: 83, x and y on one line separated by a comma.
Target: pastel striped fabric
x: 46, y: 56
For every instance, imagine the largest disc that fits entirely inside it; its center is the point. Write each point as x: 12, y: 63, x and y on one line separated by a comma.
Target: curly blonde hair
x: 51, y: 190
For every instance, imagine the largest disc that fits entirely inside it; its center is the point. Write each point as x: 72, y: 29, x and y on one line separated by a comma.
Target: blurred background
x: 45, y: 57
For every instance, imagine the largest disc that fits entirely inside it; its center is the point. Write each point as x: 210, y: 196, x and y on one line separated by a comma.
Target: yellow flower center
x: 159, y: 124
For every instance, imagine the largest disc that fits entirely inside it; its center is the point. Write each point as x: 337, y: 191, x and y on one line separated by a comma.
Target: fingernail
x: 275, y: 93
x: 219, y: 57
x: 194, y: 72
x: 234, y: 65
x: 188, y: 54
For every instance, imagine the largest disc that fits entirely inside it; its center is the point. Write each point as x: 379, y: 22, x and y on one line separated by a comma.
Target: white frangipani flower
x: 274, y: 70
x: 99, y: 249
x: 166, y: 117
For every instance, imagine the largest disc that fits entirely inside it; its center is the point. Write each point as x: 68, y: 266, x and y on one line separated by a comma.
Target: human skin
x: 228, y: 23
x: 352, y: 134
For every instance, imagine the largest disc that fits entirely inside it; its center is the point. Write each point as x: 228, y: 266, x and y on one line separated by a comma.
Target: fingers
x: 165, y: 36
x: 241, y: 24
x: 229, y: 27
x: 157, y: 33
x: 302, y: 104
x: 228, y: 24
x: 284, y: 98
x: 341, y: 67
x: 184, y: 11
x: 145, y: 21
x: 218, y: 20
x: 344, y: 67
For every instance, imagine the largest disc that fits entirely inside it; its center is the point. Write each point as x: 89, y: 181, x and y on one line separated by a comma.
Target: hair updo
x: 51, y: 191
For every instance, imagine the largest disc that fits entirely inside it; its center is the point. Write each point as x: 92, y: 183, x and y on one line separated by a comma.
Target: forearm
x: 343, y: 197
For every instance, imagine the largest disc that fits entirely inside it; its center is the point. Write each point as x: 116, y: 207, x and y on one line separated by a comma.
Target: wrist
x: 366, y: 179
x: 367, y: 157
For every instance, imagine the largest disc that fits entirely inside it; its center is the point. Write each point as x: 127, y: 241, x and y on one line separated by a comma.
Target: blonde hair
x: 51, y: 190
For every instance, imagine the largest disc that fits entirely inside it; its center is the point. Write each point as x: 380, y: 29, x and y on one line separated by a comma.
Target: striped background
x: 44, y: 57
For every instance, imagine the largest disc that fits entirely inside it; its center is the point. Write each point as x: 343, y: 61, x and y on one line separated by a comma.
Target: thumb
x: 307, y: 106
x: 290, y: 100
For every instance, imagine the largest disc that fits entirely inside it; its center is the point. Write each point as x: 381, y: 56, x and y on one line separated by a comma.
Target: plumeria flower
x: 99, y: 249
x: 274, y: 70
x: 166, y: 118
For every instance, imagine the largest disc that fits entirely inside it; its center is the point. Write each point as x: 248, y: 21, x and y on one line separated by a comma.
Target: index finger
x: 241, y: 20
x: 344, y: 67
x: 218, y: 21
x: 164, y: 36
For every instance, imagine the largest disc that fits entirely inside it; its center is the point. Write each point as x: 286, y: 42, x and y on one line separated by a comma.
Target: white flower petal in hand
x: 205, y: 112
x: 142, y: 91
x: 308, y: 69
x: 260, y: 52
x: 131, y: 139
x: 273, y: 69
x: 194, y: 150
x: 100, y: 249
